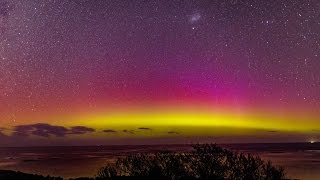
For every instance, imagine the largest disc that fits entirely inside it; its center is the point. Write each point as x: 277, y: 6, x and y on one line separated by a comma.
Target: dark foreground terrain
x: 13, y: 175
x: 206, y: 161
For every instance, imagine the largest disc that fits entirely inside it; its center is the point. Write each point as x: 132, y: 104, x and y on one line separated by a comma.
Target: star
x: 61, y: 58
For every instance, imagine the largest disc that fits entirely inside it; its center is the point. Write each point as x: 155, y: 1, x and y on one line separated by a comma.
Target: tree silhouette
x: 206, y: 161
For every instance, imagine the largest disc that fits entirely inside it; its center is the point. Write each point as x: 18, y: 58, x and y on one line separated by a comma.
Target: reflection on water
x: 302, y: 164
x: 301, y: 160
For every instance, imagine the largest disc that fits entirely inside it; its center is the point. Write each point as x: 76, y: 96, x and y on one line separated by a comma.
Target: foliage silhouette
x: 206, y: 161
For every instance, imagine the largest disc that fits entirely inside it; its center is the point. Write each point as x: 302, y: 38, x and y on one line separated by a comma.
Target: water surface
x: 301, y: 160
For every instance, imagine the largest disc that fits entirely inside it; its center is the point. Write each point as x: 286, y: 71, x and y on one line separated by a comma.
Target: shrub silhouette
x: 206, y: 161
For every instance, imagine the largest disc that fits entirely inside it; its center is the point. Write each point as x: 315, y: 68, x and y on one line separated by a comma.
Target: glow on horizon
x: 191, y: 120
x: 188, y: 121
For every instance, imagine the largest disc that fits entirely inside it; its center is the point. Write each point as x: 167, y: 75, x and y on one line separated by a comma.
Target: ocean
x: 300, y: 160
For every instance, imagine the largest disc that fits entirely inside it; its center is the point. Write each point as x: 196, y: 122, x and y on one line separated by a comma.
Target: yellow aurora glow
x: 198, y: 121
x: 190, y: 121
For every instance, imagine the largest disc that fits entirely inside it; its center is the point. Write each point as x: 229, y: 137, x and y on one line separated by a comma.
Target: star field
x: 65, y: 57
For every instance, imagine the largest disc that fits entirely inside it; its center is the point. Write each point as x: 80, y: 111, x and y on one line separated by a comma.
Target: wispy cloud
x: 1, y: 132
x: 145, y: 128
x: 80, y: 130
x: 272, y: 131
x: 109, y: 131
x: 47, y: 130
x: 128, y: 131
x: 173, y: 132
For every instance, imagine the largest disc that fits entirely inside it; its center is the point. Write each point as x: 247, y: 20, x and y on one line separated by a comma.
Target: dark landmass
x: 14, y: 175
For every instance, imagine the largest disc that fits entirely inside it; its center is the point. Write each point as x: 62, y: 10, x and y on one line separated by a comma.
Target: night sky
x: 95, y: 71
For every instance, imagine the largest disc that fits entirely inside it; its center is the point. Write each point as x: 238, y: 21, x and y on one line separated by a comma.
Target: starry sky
x: 95, y: 71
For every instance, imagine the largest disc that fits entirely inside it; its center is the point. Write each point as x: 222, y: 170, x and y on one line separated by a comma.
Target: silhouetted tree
x: 206, y: 161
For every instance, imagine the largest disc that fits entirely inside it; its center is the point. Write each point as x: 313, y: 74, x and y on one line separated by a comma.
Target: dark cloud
x: 46, y: 130
x: 145, y: 128
x: 128, y: 131
x: 1, y: 132
x: 272, y: 131
x: 173, y: 132
x: 80, y: 130
x: 109, y: 131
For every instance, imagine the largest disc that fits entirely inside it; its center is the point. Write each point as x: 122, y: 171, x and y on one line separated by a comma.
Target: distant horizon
x: 170, y: 144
